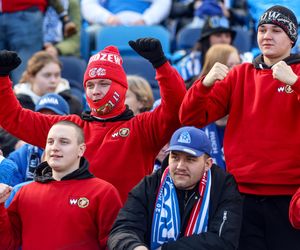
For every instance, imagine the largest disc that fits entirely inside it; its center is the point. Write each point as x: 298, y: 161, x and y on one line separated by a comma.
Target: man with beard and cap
x: 189, y: 203
x: 261, y: 142
x: 121, y: 148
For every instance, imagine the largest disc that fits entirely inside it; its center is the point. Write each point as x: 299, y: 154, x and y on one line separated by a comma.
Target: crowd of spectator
x: 211, y: 163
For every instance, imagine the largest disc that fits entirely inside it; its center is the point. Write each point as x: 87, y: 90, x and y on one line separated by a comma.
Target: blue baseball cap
x: 190, y: 140
x: 54, y: 102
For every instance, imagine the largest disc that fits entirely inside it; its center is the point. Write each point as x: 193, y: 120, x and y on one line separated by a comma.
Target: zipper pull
x: 223, y: 222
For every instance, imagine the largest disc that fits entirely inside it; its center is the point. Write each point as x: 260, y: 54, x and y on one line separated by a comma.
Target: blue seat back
x: 187, y: 37
x: 136, y: 65
x: 121, y: 35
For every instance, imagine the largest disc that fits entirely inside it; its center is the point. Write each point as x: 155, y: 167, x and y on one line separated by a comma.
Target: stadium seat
x: 136, y: 65
x: 73, y: 70
x: 121, y: 35
x: 187, y: 37
x: 243, y: 39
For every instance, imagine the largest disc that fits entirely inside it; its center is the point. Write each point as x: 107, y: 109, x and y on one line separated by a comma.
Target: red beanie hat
x: 107, y: 64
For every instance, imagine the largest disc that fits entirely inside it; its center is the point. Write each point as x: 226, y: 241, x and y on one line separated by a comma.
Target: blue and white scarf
x: 166, y: 222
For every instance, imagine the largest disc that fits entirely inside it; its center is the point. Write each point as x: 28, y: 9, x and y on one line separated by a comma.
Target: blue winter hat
x: 190, y: 140
x: 53, y: 102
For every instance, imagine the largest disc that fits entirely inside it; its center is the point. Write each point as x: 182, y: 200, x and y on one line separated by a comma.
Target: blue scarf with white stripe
x: 166, y: 222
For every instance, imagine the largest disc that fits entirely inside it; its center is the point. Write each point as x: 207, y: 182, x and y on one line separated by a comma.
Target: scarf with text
x: 166, y: 222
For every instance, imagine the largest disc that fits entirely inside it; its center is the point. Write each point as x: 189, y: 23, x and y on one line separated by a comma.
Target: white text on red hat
x: 107, y: 57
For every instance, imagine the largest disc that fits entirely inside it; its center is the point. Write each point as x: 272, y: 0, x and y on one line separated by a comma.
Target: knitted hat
x: 107, y: 64
x: 216, y: 24
x: 282, y: 17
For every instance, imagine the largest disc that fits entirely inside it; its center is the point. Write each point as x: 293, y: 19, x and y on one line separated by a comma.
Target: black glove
x: 9, y: 60
x: 149, y: 48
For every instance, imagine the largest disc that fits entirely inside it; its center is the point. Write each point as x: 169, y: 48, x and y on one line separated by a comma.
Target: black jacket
x: 133, y: 224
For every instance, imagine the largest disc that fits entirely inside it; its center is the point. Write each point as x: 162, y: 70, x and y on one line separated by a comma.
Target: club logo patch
x: 185, y: 138
x: 81, y: 202
x: 288, y: 89
x: 124, y: 132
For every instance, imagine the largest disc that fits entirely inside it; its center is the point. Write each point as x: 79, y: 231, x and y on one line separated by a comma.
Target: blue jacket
x: 9, y: 172
x: 27, y: 158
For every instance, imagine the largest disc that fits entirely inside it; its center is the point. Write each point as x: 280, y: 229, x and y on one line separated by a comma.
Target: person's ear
x: 208, y: 163
x: 82, y: 148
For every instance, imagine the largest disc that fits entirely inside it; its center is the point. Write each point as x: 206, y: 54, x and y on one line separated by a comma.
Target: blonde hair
x: 142, y: 89
x: 38, y: 61
x: 217, y: 53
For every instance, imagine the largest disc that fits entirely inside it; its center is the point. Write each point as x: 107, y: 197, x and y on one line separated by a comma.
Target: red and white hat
x: 107, y: 64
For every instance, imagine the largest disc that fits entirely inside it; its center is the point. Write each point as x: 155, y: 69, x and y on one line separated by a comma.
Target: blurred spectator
x: 57, y: 40
x: 216, y: 30
x: 9, y: 172
x: 235, y: 11
x: 21, y: 24
x: 128, y: 12
x: 229, y: 56
x: 43, y: 75
x: 21, y: 28
x: 139, y: 96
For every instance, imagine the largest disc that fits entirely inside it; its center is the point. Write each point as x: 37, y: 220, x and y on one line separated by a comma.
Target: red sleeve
x: 25, y: 124
x: 203, y: 105
x: 294, y: 210
x: 108, y: 210
x: 159, y: 124
x: 10, y: 226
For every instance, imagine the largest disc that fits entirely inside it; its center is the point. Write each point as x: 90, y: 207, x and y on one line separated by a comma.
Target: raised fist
x: 149, y: 48
x: 9, y: 60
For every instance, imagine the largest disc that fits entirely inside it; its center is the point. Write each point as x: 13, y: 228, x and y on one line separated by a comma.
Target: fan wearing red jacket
x: 262, y: 135
x: 121, y: 148
x: 66, y: 207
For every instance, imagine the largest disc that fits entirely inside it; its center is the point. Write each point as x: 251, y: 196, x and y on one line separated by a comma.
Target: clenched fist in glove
x: 9, y: 60
x: 149, y: 48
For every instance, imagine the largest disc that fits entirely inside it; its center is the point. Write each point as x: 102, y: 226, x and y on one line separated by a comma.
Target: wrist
x: 158, y: 62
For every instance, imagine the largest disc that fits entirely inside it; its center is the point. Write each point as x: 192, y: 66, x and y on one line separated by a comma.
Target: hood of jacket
x: 259, y: 63
x: 43, y: 172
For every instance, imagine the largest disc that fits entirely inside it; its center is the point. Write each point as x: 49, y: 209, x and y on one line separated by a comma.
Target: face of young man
x: 96, y: 89
x: 62, y: 150
x: 274, y: 43
x: 187, y: 170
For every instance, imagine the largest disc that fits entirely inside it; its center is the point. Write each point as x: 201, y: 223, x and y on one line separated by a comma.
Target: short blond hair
x: 142, y: 90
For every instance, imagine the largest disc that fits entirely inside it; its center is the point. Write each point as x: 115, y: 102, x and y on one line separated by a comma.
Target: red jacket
x: 294, y: 210
x: 262, y: 136
x: 19, y: 5
x: 56, y: 215
x: 120, y: 152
